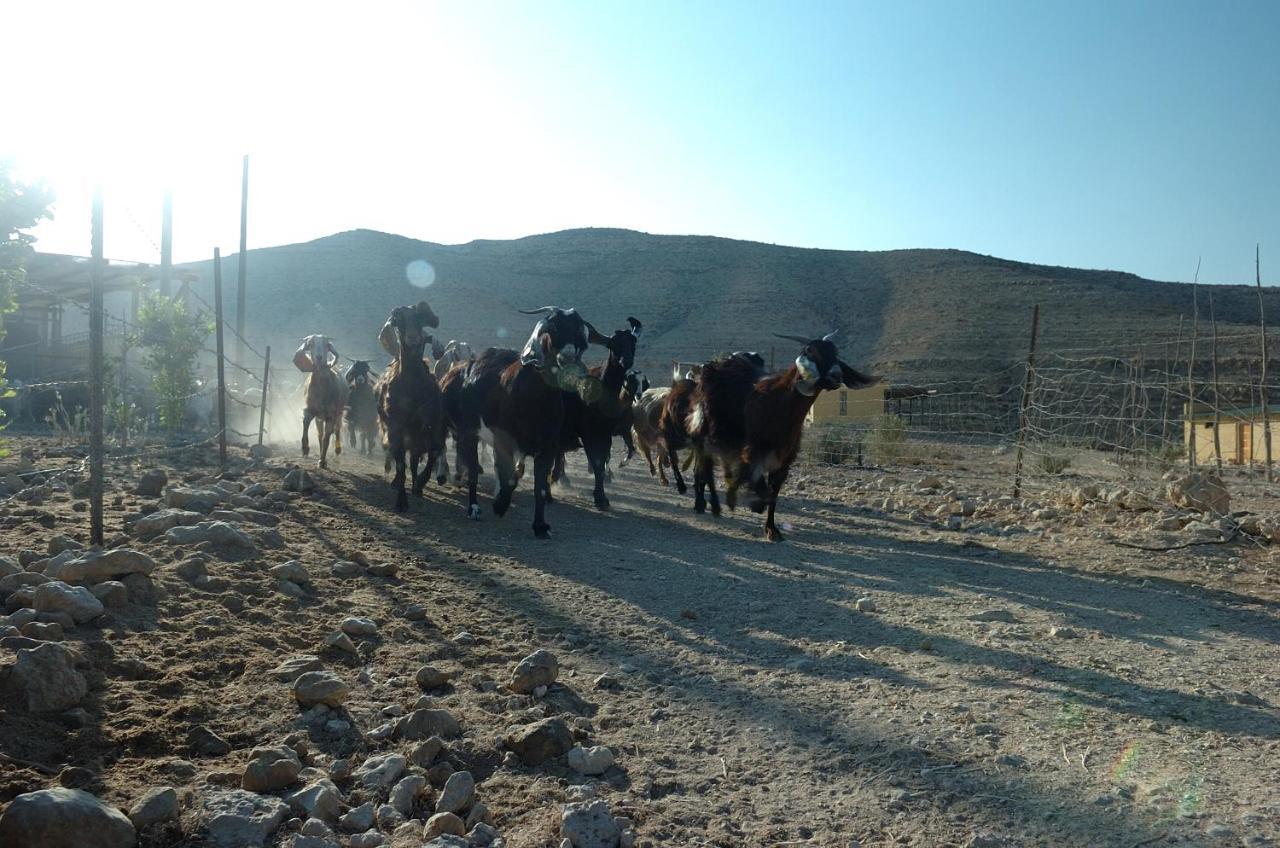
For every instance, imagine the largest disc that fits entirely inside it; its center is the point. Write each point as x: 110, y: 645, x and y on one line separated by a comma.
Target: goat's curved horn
x: 545, y: 310
x: 829, y: 336
x: 636, y: 326
x: 800, y: 339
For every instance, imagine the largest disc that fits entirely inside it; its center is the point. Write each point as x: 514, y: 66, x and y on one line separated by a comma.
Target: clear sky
x: 1126, y: 135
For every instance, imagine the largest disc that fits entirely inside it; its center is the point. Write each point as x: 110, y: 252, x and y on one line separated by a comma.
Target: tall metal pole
x: 262, y: 407
x: 166, y: 246
x: 222, y: 377
x: 96, y: 375
x: 1026, y: 400
x: 1262, y: 323
x: 242, y: 267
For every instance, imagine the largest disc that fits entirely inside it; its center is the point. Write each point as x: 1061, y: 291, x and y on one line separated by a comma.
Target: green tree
x: 22, y: 206
x: 173, y: 338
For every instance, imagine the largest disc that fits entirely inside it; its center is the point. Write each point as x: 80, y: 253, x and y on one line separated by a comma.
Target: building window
x: 1208, y: 425
x: 844, y: 403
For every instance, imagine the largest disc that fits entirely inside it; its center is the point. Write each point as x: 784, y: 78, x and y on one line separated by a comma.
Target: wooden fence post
x: 1217, y: 401
x: 1026, y: 400
x: 222, y: 377
x: 262, y: 408
x: 1191, y: 364
x: 96, y: 369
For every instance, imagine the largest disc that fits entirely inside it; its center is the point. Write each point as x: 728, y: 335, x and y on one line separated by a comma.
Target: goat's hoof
x: 441, y: 479
x: 757, y: 506
x: 715, y: 510
x: 682, y: 488
x: 337, y: 450
x: 772, y: 534
x: 542, y: 531
x: 602, y: 504
x: 699, y: 508
x: 324, y: 463
x: 306, y: 451
x: 473, y: 512
x: 501, y: 506
x: 402, y: 503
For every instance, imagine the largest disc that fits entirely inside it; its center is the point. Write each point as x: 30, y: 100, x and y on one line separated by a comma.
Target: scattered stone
x: 380, y: 771
x: 464, y: 638
x: 113, y: 594
x: 369, y: 839
x: 64, y: 818
x: 605, y: 681
x: 63, y: 542
x: 158, y: 804
x: 444, y: 824
x: 218, y: 534
x: 46, y: 679
x: 298, y: 480
x: 479, y: 815
x: 430, y: 677
x: 388, y: 817
x: 589, y: 825
x: 1063, y: 633
x: 342, y: 642
x: 458, y: 794
x: 98, y: 566
x: 424, y: 753
x: 538, y: 669
x: 319, y: 800
x: 292, y: 571
x: 141, y: 590
x: 151, y: 484
x: 353, y: 626
x: 865, y: 604
x: 270, y: 768
x: 1200, y: 490
x: 346, y: 569
x: 405, y: 793
x: 204, y: 741
x: 357, y: 819
x: 194, y: 500
x: 164, y: 520
x: 320, y: 687
x: 44, y: 632
x: 383, y: 569
x: 238, y: 819
x: 540, y: 741
x: 994, y: 615
x: 482, y: 835
x: 590, y: 761
x: 425, y: 723
x: 259, y: 452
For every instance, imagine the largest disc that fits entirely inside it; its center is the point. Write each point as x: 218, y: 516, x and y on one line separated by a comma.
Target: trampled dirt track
x: 756, y: 705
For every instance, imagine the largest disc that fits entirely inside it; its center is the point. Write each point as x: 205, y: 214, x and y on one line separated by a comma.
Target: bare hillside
x: 911, y: 314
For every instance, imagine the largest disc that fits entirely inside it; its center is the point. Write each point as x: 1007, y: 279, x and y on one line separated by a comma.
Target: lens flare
x: 420, y: 273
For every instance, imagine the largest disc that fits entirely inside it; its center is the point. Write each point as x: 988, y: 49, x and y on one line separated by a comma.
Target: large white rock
x: 218, y: 533
x: 97, y: 566
x: 162, y: 520
x: 320, y: 687
x: 196, y: 500
x: 538, y: 669
x: 46, y: 679
x: 589, y: 825
x: 76, y: 601
x: 319, y: 800
x: 381, y: 770
x: 64, y: 818
x: 239, y: 819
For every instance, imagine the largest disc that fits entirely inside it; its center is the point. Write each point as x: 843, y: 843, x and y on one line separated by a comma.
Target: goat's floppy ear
x: 636, y: 326
x: 426, y: 315
x: 389, y: 338
x: 854, y: 379
x: 594, y: 337
x: 329, y: 346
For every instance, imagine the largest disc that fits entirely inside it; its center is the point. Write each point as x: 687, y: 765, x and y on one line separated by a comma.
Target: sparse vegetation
x: 886, y: 440
x: 173, y: 338
x: 1053, y: 459
x: 833, y: 443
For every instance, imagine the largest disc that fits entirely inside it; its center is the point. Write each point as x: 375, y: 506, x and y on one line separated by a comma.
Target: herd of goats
x: 542, y: 401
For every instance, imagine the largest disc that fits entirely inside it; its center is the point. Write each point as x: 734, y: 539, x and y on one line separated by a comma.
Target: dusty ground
x: 756, y: 705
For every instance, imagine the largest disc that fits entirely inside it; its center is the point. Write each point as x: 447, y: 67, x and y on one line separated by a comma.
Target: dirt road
x: 991, y: 692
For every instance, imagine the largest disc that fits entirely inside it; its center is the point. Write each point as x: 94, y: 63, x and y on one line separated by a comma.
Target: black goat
x: 362, y: 407
x: 519, y: 397
x: 410, y: 408
x: 591, y: 425
x: 753, y: 424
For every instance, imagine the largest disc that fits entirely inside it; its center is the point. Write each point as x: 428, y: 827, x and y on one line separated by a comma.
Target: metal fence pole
x: 96, y: 368
x: 222, y: 377
x: 1026, y: 400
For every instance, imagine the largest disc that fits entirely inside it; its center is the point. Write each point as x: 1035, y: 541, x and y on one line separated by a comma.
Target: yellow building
x: 1240, y: 433
x: 851, y: 405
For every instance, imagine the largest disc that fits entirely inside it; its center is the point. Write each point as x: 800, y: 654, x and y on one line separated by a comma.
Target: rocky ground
x: 269, y: 658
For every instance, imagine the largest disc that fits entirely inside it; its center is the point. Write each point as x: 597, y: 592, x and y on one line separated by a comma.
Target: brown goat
x: 753, y: 425
x: 410, y: 407
x: 646, y: 427
x: 325, y: 395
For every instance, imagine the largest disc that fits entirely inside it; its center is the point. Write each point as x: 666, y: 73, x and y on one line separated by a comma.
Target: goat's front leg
x: 541, y: 489
x: 468, y: 450
x: 336, y: 428
x: 710, y: 476
x: 674, y: 459
x: 322, y: 434
x: 776, y: 479
x: 631, y: 448
x: 395, y: 450
x: 306, y: 428
x: 419, y: 480
x: 598, y: 458
x: 504, y: 468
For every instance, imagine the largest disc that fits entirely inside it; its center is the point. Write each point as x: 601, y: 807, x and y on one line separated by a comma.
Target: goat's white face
x: 319, y: 348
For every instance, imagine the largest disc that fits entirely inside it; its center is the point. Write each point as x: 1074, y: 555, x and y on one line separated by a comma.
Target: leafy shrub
x: 1053, y: 460
x: 887, y: 439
